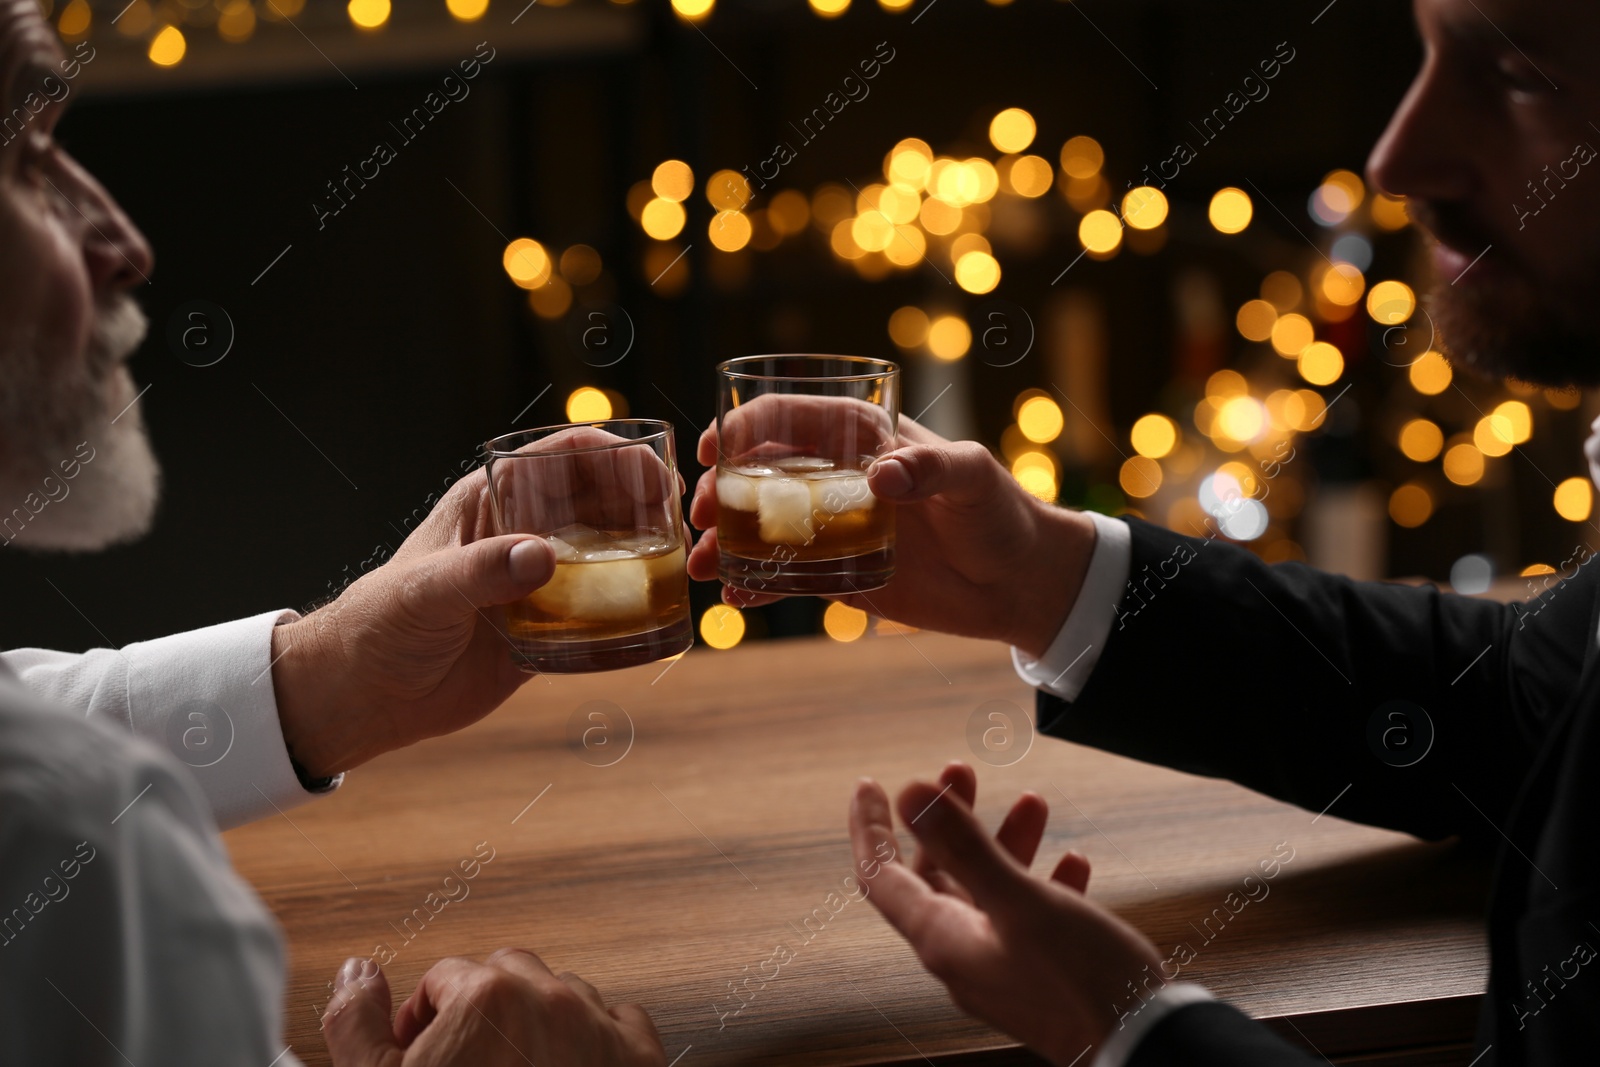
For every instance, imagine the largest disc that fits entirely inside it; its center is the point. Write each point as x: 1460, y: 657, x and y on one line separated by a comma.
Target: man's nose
x: 117, y: 252
x: 1422, y: 154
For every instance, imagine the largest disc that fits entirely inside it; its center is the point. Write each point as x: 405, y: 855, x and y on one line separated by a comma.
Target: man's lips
x: 1451, y: 262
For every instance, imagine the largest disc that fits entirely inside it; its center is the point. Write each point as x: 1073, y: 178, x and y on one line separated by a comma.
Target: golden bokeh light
x: 1342, y: 191
x: 1493, y: 435
x: 729, y: 231
x: 949, y: 337
x: 467, y: 10
x: 693, y: 9
x: 1140, y: 476
x: 1463, y: 464
x: 1520, y: 418
x: 167, y: 48
x: 829, y: 9
x: 1031, y: 176
x: 75, y: 19
x: 1100, y: 231
x: 1430, y: 375
x: 722, y: 625
x: 1012, y: 130
x: 368, y: 14
x: 1410, y: 505
x: 662, y: 219
x: 588, y: 404
x: 527, y: 263
x: 1226, y: 383
x: 1390, y: 303
x: 236, y: 22
x: 1082, y: 157
x: 1255, y: 320
x: 1036, y: 472
x: 906, y: 247
x: 1321, y: 363
x: 1389, y: 212
x: 726, y: 190
x: 1154, y: 436
x: 908, y: 163
x: 843, y: 622
x: 1230, y: 210
x: 1563, y: 399
x: 1342, y: 284
x: 1291, y: 334
x: 1421, y: 440
x: 977, y: 272
x: 1240, y: 418
x: 1144, y: 207
x: 551, y: 300
x: 672, y: 180
x: 1574, y: 499
x: 1040, y: 419
x: 908, y: 327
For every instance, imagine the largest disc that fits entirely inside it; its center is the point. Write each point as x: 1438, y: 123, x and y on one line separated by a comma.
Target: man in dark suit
x: 1490, y: 148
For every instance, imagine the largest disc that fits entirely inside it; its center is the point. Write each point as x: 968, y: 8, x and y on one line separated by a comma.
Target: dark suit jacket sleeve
x: 1279, y: 677
x: 1215, y: 1035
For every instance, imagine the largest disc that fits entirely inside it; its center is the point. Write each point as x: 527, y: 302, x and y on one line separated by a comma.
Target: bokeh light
x: 1012, y: 130
x: 1082, y: 157
x: 949, y: 337
x: 1040, y: 419
x: 588, y: 404
x: 1230, y: 210
x: 1421, y: 440
x: 722, y: 625
x: 1154, y: 436
x: 843, y: 622
x: 1430, y: 375
x: 1574, y: 499
x: 1410, y: 505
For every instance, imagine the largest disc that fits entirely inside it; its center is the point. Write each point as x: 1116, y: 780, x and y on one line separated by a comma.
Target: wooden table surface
x: 701, y: 823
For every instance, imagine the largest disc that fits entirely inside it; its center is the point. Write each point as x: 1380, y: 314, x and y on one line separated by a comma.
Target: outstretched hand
x: 1032, y: 956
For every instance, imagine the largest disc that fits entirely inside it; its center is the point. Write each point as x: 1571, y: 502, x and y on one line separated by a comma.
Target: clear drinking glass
x: 795, y: 436
x: 607, y: 496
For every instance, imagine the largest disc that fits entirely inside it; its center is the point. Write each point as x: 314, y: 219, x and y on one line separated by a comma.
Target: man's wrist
x: 320, y: 735
x: 1050, y: 576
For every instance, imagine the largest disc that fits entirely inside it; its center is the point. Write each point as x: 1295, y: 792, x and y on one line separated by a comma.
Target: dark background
x: 377, y: 354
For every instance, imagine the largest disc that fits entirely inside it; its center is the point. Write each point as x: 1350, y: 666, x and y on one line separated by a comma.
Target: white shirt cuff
x: 1066, y: 664
x: 206, y: 696
x: 1138, y: 1022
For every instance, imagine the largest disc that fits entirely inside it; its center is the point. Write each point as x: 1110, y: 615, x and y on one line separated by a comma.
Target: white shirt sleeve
x: 206, y: 696
x: 1119, y: 1047
x: 1066, y: 664
x: 126, y: 936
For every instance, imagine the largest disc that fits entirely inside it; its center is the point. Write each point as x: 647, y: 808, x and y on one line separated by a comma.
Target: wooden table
x: 719, y: 830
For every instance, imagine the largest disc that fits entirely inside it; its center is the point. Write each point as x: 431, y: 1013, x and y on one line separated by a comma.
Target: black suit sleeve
x: 1214, y: 1034
x: 1280, y: 677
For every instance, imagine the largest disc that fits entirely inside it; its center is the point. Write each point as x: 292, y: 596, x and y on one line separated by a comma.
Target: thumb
x: 356, y: 1022
x: 496, y: 570
x: 956, y: 843
x: 961, y: 471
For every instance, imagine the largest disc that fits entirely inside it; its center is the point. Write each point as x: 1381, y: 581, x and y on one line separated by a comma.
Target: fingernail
x: 528, y: 561
x: 348, y: 972
x: 892, y: 476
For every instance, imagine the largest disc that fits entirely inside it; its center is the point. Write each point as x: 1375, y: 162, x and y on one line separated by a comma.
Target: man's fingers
x: 1072, y: 872
x: 442, y: 980
x: 702, y: 562
x: 519, y: 961
x: 1023, y: 828
x: 356, y: 1021
x: 957, y: 843
x: 962, y: 781
x: 703, y: 505
x: 583, y: 989
x: 891, y: 886
x: 962, y: 471
x: 457, y: 581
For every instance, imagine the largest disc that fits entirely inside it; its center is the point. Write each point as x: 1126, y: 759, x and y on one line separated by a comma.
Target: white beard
x: 112, y: 496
